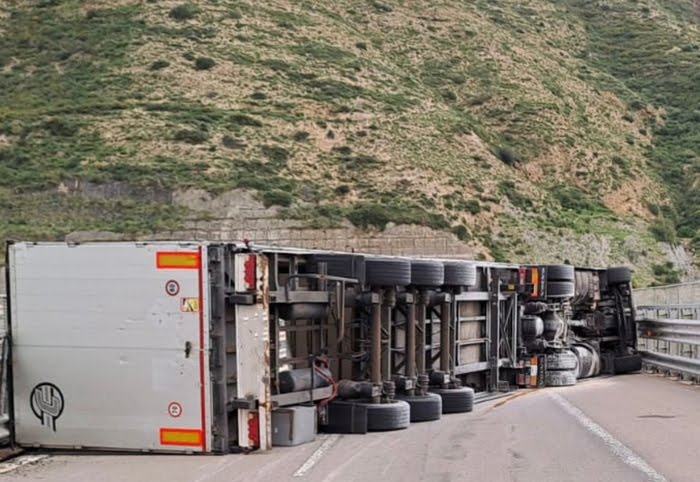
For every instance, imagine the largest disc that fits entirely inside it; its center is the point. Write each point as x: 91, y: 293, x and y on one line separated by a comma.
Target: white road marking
x: 18, y: 462
x: 620, y: 450
x: 317, y: 455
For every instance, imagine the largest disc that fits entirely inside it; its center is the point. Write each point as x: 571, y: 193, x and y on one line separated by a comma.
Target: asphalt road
x: 628, y: 428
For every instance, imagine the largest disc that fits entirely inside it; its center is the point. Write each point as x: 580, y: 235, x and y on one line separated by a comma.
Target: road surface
x: 628, y: 428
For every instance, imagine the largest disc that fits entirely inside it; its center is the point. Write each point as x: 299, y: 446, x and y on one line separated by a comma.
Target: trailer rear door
x: 109, y: 346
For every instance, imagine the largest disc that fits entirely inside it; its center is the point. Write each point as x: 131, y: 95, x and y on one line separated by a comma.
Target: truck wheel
x: 562, y: 360
x: 560, y: 378
x: 427, y: 273
x: 560, y: 289
x: 424, y: 408
x: 559, y: 272
x: 618, y: 276
x: 585, y: 360
x: 395, y: 415
x: 343, y: 265
x: 460, y: 273
x: 388, y: 272
x: 456, y: 400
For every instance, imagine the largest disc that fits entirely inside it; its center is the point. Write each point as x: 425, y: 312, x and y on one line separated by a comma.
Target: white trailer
x: 130, y: 346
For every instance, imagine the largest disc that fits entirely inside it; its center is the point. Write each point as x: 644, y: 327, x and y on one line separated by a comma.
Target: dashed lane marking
x: 317, y: 455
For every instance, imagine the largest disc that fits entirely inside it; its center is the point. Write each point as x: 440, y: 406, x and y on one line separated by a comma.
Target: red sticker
x: 174, y: 409
x: 172, y: 287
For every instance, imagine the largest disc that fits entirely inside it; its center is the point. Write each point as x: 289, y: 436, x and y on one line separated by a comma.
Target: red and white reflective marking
x: 174, y: 409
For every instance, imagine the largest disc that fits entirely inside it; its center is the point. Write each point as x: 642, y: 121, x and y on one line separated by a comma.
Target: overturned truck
x: 222, y: 347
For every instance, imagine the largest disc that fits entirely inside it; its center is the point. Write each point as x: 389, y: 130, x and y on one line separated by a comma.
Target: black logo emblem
x: 46, y: 401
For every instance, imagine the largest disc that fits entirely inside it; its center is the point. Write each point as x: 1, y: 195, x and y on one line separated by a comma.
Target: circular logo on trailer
x: 47, y: 404
x: 172, y: 287
x: 174, y: 409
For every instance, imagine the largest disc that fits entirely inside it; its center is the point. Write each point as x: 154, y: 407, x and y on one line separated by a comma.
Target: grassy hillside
x: 493, y: 119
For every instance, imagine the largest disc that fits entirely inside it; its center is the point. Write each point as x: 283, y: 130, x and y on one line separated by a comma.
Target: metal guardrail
x: 669, y: 338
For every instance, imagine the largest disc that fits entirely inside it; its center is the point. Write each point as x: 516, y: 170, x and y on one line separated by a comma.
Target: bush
x: 575, y: 200
x: 232, y: 143
x: 472, y: 206
x: 204, y: 63
x: 365, y: 215
x: 301, y: 136
x: 663, y: 230
x: 508, y: 189
x: 666, y: 274
x: 342, y: 190
x: 186, y: 11
x: 508, y: 156
x: 191, y: 136
x: 159, y: 65
x: 60, y: 128
x: 244, y: 120
x: 462, y: 232
x: 276, y: 154
x: 277, y: 197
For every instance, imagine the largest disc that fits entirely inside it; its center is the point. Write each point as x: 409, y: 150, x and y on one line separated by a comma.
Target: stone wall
x: 238, y: 215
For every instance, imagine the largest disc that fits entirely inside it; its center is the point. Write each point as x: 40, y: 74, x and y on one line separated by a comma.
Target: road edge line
x: 620, y: 450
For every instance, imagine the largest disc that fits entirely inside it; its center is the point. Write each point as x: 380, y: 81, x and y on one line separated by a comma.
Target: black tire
x: 343, y: 265
x: 388, y: 271
x: 561, y: 360
x: 427, y: 273
x: 559, y: 272
x: 585, y: 360
x: 459, y: 273
x: 455, y: 400
x: 381, y: 417
x: 560, y: 378
x: 560, y: 289
x: 618, y: 276
x: 424, y: 408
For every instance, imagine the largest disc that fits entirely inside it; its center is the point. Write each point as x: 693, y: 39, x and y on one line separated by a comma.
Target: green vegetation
x: 331, y: 116
x: 665, y: 274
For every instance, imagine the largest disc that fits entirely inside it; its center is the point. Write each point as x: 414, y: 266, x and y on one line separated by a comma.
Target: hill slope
x: 530, y: 128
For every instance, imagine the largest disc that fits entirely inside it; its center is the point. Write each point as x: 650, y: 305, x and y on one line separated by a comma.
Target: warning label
x: 189, y: 305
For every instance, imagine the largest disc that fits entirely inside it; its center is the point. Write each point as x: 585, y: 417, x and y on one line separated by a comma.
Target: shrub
x: 666, y: 274
x: 508, y: 156
x: 185, y: 11
x: 472, y: 206
x: 232, y: 142
x: 663, y: 230
x: 244, y: 120
x: 60, y: 128
x: 277, y: 197
x: 462, y: 232
x: 191, y: 136
x: 342, y: 190
x: 159, y: 65
x: 276, y: 154
x: 365, y: 215
x: 508, y: 189
x: 204, y: 63
x: 301, y: 136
